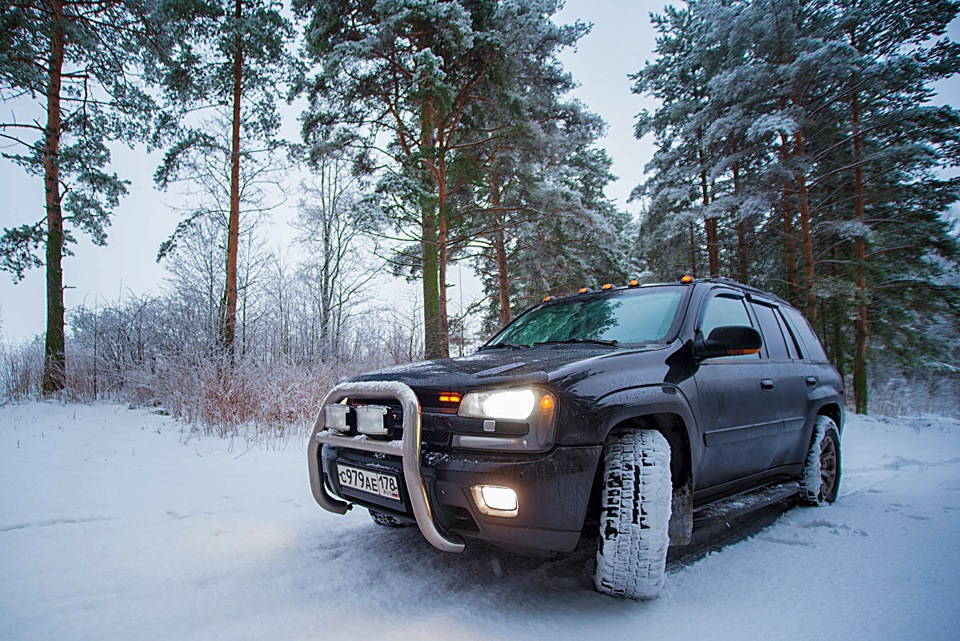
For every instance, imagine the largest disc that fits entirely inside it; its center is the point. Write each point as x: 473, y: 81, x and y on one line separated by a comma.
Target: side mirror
x: 730, y: 340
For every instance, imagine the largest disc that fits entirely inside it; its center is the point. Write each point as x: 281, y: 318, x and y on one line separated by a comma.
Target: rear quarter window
x: 809, y: 342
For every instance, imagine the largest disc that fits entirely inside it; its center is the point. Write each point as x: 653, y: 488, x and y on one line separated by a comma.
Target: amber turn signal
x: 449, y: 397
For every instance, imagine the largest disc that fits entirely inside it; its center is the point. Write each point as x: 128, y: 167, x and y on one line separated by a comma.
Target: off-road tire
x: 387, y: 520
x: 634, y: 515
x: 820, y: 481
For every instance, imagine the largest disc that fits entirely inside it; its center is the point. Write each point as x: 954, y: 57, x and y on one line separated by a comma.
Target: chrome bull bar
x: 408, y: 448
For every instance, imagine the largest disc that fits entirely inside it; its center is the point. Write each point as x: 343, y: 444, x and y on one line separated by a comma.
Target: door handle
x: 766, y: 384
x: 811, y: 381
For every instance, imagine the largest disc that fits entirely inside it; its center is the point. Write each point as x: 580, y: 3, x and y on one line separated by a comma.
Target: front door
x: 739, y: 403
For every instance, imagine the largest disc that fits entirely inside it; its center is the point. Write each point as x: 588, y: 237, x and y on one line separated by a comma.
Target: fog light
x: 335, y: 417
x: 370, y: 419
x: 493, y: 500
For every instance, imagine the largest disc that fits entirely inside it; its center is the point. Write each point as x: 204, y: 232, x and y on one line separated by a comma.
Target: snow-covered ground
x: 116, y: 524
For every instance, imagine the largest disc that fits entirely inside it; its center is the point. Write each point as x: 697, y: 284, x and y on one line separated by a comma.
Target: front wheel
x: 634, y: 515
x: 820, y: 481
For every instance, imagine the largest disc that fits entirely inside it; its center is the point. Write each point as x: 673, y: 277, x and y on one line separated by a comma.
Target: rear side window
x: 772, y: 336
x: 792, y: 346
x: 805, y: 334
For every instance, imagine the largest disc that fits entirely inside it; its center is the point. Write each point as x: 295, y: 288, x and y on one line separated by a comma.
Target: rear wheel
x: 634, y: 515
x: 820, y: 481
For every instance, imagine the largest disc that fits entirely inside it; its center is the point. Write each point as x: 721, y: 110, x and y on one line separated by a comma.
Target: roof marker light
x: 607, y: 286
x: 547, y: 298
x: 583, y: 290
x: 686, y: 280
x: 634, y: 283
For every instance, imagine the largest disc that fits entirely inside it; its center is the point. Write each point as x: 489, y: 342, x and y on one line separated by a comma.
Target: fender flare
x: 644, y: 400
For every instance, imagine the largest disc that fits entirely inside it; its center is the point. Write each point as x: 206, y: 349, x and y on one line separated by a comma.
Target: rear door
x: 739, y: 406
x: 792, y: 385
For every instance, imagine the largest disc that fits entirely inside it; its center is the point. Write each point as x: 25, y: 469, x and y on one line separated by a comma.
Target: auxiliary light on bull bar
x: 335, y: 417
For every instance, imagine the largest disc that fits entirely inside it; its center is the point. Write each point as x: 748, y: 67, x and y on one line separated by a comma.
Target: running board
x: 739, y: 504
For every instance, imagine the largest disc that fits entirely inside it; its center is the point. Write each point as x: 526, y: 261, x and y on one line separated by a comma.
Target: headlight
x: 506, y: 405
x: 533, y: 406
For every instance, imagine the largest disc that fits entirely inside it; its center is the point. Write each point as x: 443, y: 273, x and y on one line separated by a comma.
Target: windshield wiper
x: 507, y: 345
x: 590, y: 341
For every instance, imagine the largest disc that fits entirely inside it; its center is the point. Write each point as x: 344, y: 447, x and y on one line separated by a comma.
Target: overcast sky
x: 619, y: 43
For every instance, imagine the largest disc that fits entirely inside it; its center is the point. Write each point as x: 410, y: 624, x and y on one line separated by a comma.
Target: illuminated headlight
x: 494, y: 500
x: 506, y: 405
x: 335, y: 417
x: 530, y: 405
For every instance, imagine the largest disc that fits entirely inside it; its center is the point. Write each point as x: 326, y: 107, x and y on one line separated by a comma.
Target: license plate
x: 385, y: 485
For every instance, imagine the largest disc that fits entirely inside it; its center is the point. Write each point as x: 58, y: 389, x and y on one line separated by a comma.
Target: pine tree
x: 813, y: 129
x: 417, y: 75
x: 82, y: 64
x: 230, y: 65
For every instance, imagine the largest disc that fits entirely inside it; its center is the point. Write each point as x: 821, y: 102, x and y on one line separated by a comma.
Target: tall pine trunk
x: 432, y: 343
x: 806, y: 234
x: 693, y: 251
x: 55, y: 360
x: 710, y: 224
x: 500, y: 251
x: 789, y: 239
x: 743, y: 265
x: 859, y: 259
x: 233, y: 226
x: 442, y: 209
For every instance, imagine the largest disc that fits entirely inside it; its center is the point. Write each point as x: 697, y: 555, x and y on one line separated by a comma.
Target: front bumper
x: 553, y: 489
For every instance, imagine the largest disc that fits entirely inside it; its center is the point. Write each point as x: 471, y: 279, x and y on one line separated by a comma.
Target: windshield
x: 625, y: 316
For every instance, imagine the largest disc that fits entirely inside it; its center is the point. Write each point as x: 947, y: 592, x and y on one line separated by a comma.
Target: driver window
x: 723, y: 310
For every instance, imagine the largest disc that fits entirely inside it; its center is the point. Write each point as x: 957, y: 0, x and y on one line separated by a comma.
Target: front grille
x: 431, y: 400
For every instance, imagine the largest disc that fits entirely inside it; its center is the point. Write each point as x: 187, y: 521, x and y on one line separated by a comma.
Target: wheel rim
x: 828, y: 466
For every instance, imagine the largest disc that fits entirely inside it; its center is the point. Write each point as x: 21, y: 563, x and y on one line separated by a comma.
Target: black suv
x: 616, y: 412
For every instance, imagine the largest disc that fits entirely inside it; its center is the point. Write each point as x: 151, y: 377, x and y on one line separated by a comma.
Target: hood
x: 496, y: 367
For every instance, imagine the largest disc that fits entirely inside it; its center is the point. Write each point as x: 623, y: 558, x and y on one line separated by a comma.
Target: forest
x: 798, y: 149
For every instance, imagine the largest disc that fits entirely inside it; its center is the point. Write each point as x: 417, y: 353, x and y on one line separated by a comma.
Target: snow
x: 121, y: 524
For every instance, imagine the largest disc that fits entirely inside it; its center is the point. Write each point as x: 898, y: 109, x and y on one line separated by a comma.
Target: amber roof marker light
x: 547, y: 298
x: 583, y: 290
x: 607, y: 286
x: 633, y: 283
x: 686, y: 280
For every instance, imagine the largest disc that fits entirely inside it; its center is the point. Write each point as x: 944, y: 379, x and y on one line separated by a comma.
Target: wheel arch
x: 673, y: 428
x: 834, y: 412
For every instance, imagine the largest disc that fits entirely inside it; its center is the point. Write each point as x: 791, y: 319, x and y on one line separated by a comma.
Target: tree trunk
x: 442, y: 207
x: 710, y: 224
x: 859, y: 250
x: 789, y: 240
x: 55, y: 360
x: 806, y: 235
x: 693, y: 252
x: 500, y: 250
x: 233, y: 226
x: 743, y: 265
x: 432, y: 343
